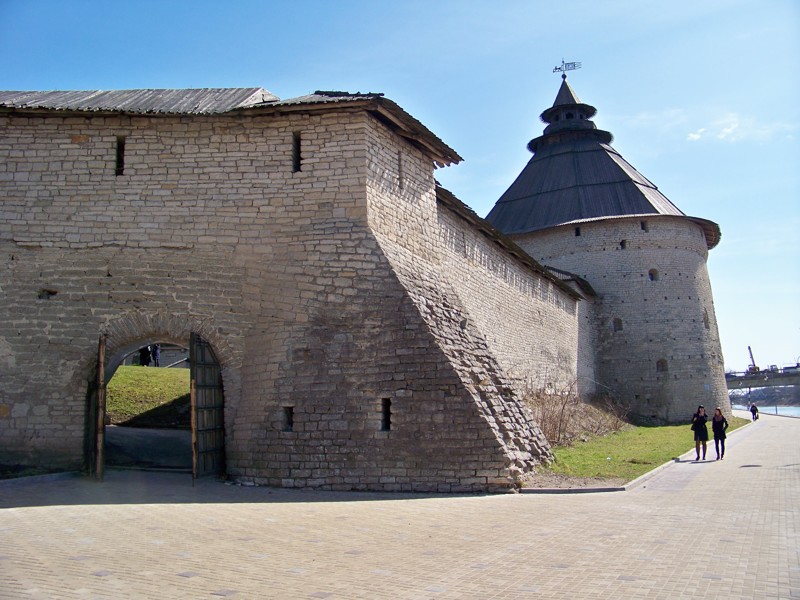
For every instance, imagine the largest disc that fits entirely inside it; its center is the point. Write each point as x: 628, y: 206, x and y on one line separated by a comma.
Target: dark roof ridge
x: 348, y: 94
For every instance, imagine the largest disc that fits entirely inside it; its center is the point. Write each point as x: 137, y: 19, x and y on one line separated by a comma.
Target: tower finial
x: 566, y: 66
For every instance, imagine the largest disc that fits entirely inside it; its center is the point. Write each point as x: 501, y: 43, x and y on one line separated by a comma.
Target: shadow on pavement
x: 123, y: 486
x: 148, y: 448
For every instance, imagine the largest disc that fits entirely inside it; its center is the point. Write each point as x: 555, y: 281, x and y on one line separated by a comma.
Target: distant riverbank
x: 783, y: 411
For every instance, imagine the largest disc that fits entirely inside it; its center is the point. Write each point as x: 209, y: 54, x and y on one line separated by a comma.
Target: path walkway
x: 726, y: 529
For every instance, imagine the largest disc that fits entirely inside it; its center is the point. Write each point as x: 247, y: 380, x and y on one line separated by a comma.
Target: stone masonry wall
x: 410, y: 233
x: 210, y: 229
x: 55, y: 305
x: 528, y: 321
x: 586, y: 375
x: 655, y: 296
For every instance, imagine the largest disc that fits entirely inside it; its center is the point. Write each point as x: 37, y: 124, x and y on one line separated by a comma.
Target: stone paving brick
x: 714, y: 529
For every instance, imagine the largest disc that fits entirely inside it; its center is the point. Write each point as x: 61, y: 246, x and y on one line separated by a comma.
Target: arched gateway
x: 206, y: 389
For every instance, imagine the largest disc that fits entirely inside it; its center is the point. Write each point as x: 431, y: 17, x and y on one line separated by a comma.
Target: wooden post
x: 101, y: 409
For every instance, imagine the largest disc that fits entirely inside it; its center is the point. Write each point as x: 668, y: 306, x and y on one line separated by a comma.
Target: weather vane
x: 566, y: 66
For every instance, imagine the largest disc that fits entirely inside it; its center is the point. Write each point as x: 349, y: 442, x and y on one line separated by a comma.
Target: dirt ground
x: 548, y: 479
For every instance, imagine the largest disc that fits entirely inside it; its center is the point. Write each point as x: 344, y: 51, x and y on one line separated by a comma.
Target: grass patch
x: 149, y: 397
x: 628, y: 453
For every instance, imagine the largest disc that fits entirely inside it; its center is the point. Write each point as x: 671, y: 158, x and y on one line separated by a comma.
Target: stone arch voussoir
x: 127, y: 333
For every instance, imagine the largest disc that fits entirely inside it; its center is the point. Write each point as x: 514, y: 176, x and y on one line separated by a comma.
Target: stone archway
x: 126, y: 334
x: 123, y: 336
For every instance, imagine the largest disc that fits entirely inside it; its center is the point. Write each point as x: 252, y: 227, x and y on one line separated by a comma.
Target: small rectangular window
x: 643, y: 225
x: 288, y: 418
x: 577, y: 231
x: 386, y: 414
x: 297, y: 157
x: 119, y: 168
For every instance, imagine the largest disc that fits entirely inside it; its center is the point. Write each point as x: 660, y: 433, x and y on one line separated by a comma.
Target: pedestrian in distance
x: 144, y: 356
x: 700, y: 431
x: 156, y: 352
x: 718, y: 425
x: 754, y: 411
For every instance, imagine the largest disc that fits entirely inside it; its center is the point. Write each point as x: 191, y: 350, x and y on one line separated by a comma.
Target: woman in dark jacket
x: 718, y: 425
x: 700, y: 430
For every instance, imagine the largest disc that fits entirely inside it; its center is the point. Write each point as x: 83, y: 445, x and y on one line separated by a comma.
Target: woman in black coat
x: 700, y: 430
x: 718, y: 425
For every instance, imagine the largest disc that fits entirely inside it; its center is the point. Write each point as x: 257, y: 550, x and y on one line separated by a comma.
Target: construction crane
x: 752, y: 369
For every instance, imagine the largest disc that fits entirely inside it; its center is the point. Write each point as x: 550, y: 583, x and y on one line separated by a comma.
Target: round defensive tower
x: 578, y: 206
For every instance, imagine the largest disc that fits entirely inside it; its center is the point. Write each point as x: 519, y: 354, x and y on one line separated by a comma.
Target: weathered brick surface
x: 326, y: 290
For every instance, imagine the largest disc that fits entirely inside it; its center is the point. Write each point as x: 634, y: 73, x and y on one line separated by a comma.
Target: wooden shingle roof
x: 145, y: 101
x: 575, y: 180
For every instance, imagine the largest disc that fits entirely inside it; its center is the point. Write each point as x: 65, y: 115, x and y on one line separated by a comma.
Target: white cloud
x: 693, y: 137
x: 725, y: 127
x: 733, y: 127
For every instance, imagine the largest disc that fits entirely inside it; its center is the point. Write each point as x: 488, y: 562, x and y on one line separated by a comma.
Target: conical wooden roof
x: 575, y: 175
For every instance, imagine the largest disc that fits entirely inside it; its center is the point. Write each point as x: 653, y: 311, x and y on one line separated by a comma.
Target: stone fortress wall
x: 328, y: 290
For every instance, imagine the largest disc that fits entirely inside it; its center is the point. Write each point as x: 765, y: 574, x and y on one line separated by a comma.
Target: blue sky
x: 701, y: 98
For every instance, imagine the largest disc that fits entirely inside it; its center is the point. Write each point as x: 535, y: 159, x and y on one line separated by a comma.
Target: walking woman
x: 700, y: 430
x: 718, y: 425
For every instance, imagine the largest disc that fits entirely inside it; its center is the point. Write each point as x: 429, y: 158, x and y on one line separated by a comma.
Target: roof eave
x: 711, y: 230
x: 385, y: 110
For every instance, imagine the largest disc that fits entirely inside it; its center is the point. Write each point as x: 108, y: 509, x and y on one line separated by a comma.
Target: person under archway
x: 144, y: 356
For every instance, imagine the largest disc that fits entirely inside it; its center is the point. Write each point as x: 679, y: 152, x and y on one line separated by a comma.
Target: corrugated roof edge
x: 138, y: 101
x: 448, y: 199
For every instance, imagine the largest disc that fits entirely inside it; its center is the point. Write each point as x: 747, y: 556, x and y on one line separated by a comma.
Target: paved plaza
x: 718, y: 529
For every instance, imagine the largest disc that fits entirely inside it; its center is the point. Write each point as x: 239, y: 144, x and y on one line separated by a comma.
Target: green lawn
x: 631, y: 452
x: 149, y: 397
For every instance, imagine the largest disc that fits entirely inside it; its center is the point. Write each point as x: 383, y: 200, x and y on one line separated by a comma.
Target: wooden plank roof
x: 145, y: 101
x: 576, y: 180
x: 582, y: 180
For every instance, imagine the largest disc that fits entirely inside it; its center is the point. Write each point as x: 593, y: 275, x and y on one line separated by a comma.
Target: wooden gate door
x: 208, y: 431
